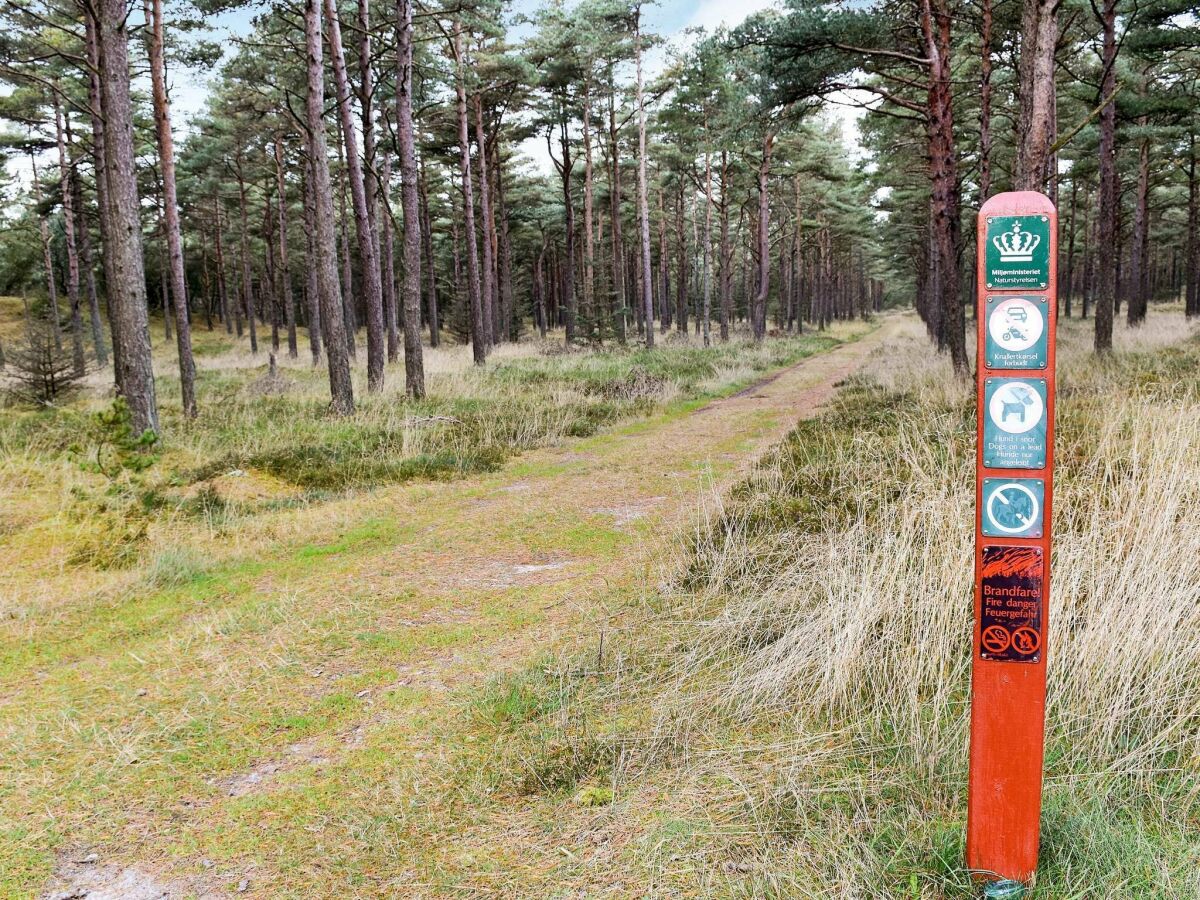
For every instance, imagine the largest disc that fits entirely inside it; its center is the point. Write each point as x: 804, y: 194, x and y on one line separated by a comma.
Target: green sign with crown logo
x: 1018, y: 253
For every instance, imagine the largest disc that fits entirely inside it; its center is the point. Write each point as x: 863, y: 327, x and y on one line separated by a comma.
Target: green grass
x: 472, y: 422
x: 284, y: 604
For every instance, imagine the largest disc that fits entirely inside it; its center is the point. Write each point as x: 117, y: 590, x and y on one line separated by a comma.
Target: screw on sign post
x: 1017, y: 252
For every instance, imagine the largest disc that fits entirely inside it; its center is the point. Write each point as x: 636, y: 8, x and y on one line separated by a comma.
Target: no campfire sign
x: 1017, y: 252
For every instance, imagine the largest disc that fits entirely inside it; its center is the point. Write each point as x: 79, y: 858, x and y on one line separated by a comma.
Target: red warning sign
x: 1011, y: 602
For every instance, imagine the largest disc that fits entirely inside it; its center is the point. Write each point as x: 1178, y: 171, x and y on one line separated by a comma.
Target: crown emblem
x: 1015, y: 245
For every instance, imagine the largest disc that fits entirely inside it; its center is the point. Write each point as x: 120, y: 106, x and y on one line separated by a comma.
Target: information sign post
x: 1017, y: 251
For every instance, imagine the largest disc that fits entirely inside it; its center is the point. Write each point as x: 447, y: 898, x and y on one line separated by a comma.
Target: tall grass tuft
x: 807, y: 667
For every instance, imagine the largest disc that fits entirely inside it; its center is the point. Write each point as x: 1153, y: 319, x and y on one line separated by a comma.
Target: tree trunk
x: 487, y: 285
x: 222, y: 284
x: 726, y: 252
x: 1106, y: 261
x: 431, y: 307
x: 665, y: 308
x: 1069, y: 281
x: 478, y: 334
x: 270, y: 286
x: 708, y: 217
x: 349, y: 315
x: 414, y: 363
x: 943, y: 177
x: 85, y: 258
x: 341, y: 387
x: 99, y: 159
x: 1192, y: 263
x: 1139, y: 254
x: 681, y: 288
x: 1035, y: 75
x: 798, y: 262
x: 123, y: 236
x: 589, y: 250
x: 47, y: 256
x: 367, y: 246
x: 166, y: 159
x: 985, y: 100
x: 758, y: 310
x: 643, y: 201
x: 504, y: 258
x: 285, y: 274
x: 247, y: 286
x: 391, y: 318
x: 312, y: 289
x: 65, y: 178
x: 372, y: 177
x: 618, y: 244
x: 539, y: 290
x: 568, y: 267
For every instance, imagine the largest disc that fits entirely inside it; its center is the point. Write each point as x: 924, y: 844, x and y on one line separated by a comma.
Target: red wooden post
x: 1017, y: 253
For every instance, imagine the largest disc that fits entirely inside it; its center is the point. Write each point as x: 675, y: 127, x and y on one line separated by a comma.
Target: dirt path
x: 295, y: 728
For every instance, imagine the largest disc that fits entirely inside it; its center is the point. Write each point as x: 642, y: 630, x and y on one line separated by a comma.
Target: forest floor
x: 700, y: 651
x: 280, y: 684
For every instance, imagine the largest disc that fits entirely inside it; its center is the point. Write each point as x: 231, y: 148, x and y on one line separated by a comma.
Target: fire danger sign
x: 1010, y: 602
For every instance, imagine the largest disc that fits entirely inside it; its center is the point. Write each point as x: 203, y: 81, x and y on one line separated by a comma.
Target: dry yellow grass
x: 806, y: 670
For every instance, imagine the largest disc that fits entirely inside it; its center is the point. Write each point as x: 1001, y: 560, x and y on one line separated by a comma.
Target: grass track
x: 281, y: 693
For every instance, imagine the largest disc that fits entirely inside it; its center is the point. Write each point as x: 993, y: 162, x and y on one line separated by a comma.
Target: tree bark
x: 726, y: 252
x: 431, y: 305
x: 47, y: 256
x: 708, y: 217
x: 1192, y: 263
x: 943, y: 177
x: 1035, y: 75
x: 391, y: 319
x: 85, y: 259
x: 504, y: 257
x: 478, y: 332
x: 1139, y: 253
x: 985, y: 101
x: 341, y: 387
x: 222, y: 284
x: 643, y: 201
x: 1106, y: 261
x: 564, y: 167
x: 618, y: 244
x: 666, y: 309
x: 367, y: 247
x: 65, y: 178
x: 539, y: 290
x: 349, y: 314
x: 1069, y: 281
x: 414, y: 364
x: 488, y: 280
x: 312, y: 289
x: 589, y: 251
x: 99, y: 159
x: 285, y: 274
x: 166, y: 159
x: 371, y: 174
x: 758, y: 312
x: 681, y: 287
x: 247, y: 284
x: 123, y: 236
